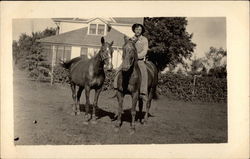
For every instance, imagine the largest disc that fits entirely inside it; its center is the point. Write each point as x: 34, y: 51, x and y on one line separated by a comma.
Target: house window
x: 101, y: 28
x: 97, y: 29
x: 67, y: 52
x: 63, y: 53
x: 59, y: 53
x: 92, y: 29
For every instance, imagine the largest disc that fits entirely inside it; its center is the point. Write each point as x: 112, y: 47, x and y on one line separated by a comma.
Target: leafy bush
x: 29, y: 55
x: 60, y: 74
x: 178, y: 86
x: 206, y: 89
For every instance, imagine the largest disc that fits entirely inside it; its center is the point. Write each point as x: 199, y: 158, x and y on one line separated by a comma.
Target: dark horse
x: 89, y: 74
x: 129, y: 80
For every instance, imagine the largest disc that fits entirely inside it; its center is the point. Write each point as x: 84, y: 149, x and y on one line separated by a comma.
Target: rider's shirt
x: 141, y: 47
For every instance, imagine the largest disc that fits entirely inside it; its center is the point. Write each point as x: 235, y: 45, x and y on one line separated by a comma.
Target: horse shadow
x: 126, y: 115
x: 100, y: 113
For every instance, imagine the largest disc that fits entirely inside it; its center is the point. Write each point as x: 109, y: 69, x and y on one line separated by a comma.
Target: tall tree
x: 215, y: 61
x: 169, y: 42
x: 213, y: 64
x: 30, y: 55
x: 215, y: 56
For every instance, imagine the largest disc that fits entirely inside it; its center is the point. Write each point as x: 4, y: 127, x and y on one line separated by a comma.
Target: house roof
x: 113, y: 20
x: 126, y: 20
x: 80, y: 37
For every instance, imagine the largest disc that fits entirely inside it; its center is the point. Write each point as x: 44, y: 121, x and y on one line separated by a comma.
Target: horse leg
x: 148, y: 104
x: 97, y: 93
x: 87, y: 92
x: 133, y: 110
x: 73, y: 89
x: 120, y: 97
x: 140, y: 109
x: 79, y: 93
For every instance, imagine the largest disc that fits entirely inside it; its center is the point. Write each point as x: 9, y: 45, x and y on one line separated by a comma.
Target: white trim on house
x: 92, y: 19
x: 71, y: 21
x: 113, y: 19
x: 86, y: 22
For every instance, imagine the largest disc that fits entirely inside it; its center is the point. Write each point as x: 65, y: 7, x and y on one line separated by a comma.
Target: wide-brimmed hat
x: 137, y: 25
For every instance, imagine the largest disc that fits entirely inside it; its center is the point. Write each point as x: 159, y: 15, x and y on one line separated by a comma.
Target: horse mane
x: 132, y: 42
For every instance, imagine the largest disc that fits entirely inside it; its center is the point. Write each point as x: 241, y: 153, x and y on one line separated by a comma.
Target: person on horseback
x: 141, y: 44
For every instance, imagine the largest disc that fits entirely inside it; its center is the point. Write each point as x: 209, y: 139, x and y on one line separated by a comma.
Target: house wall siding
x: 52, y: 51
x: 125, y: 30
x: 66, y: 26
x: 75, y: 51
x: 117, y: 58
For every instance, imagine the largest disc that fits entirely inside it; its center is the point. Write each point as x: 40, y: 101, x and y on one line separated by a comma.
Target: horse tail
x: 68, y: 64
x: 154, y: 73
x: 154, y: 93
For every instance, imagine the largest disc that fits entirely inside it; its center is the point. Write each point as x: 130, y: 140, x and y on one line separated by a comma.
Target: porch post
x: 53, y: 64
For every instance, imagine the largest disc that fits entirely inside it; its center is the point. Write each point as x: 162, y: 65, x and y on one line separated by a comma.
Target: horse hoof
x: 93, y: 122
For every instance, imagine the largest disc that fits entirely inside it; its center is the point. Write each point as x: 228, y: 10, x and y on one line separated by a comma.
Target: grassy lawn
x: 171, y: 121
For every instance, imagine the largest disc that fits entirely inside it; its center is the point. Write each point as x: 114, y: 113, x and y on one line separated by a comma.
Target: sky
x: 207, y: 31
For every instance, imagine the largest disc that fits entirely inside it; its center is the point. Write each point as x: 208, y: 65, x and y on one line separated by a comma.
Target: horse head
x: 129, y: 54
x: 106, y: 53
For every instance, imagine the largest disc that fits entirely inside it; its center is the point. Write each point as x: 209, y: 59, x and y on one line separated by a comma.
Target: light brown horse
x: 89, y: 74
x: 129, y: 80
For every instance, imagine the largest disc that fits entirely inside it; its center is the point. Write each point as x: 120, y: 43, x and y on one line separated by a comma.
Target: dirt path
x: 171, y: 121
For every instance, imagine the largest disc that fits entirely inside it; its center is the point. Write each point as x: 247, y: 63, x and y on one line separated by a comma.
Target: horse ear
x: 111, y: 43
x: 126, y: 38
x: 102, y: 40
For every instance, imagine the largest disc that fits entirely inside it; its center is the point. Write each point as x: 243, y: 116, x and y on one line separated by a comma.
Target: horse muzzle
x: 109, y: 67
x: 125, y: 68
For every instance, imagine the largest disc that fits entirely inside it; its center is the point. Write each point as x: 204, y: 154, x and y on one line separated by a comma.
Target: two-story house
x: 82, y: 37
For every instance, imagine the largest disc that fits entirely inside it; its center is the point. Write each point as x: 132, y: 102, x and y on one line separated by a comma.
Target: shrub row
x: 60, y: 75
x: 177, y: 86
x: 206, y: 89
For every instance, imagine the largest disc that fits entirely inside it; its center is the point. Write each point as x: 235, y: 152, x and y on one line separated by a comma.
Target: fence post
x: 194, y: 84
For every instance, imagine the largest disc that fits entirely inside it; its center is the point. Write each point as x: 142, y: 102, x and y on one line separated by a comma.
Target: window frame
x: 62, y: 52
x: 97, y: 29
x: 96, y: 26
x: 103, y: 29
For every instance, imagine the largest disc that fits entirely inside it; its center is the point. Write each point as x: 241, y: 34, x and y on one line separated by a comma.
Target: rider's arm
x: 143, y: 52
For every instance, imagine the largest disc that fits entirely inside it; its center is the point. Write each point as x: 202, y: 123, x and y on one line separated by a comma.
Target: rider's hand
x: 134, y: 38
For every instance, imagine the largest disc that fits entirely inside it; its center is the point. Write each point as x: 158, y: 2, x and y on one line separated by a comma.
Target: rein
x: 103, y: 56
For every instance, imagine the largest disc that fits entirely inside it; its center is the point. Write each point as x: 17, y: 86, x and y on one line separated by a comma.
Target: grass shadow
x: 100, y: 113
x: 127, y: 117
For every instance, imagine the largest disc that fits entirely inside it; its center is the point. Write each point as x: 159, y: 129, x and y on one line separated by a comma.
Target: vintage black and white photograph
x: 120, y: 80
x: 143, y: 79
